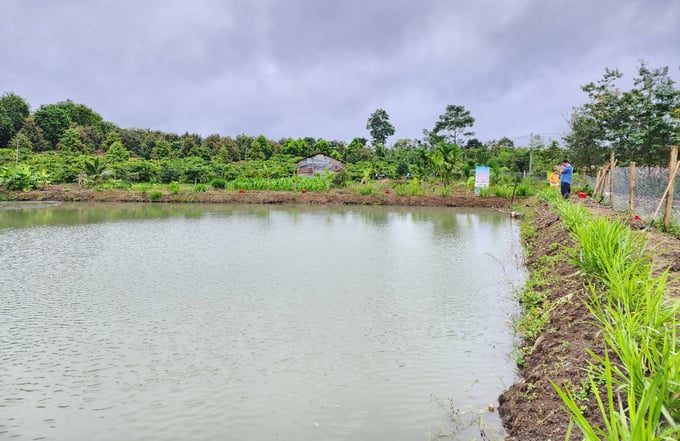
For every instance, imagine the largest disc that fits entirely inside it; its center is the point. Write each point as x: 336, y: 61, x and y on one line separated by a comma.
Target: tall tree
x: 380, y: 127
x: 13, y: 110
x: 453, y: 125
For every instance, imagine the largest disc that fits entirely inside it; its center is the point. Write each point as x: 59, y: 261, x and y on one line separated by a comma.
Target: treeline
x: 61, y: 137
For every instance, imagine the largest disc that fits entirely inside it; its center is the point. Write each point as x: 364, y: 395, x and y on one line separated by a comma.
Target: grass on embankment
x: 642, y: 387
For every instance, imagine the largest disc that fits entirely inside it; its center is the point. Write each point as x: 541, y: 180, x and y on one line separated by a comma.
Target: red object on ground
x: 387, y: 192
x: 636, y: 217
x: 582, y: 195
x: 304, y: 190
x: 241, y: 191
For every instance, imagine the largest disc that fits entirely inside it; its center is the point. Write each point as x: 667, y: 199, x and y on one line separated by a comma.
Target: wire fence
x: 650, y: 185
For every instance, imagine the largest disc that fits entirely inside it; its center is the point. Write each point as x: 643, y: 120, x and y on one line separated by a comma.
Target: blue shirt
x: 566, y: 174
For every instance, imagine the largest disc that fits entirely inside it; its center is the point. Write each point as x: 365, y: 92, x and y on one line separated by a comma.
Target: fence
x: 649, y: 189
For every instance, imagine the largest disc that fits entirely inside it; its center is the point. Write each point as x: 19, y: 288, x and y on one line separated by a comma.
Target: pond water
x: 186, y: 322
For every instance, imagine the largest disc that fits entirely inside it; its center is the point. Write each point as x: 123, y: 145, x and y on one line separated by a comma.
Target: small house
x: 319, y: 164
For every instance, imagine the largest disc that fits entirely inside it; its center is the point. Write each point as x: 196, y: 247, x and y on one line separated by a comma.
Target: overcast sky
x: 320, y: 67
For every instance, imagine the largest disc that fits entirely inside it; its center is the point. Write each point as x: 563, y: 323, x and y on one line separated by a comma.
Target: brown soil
x: 531, y: 409
x: 458, y: 198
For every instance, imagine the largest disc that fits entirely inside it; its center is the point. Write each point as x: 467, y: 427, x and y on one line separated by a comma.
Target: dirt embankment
x: 531, y: 409
x: 458, y: 197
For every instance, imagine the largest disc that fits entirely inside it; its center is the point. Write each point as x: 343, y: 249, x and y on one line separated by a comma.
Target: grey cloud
x: 319, y: 68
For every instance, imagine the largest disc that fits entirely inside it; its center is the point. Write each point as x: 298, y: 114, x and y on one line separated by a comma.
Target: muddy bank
x: 458, y: 197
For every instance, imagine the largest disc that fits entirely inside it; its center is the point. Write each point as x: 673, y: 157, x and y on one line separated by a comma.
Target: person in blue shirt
x: 566, y: 172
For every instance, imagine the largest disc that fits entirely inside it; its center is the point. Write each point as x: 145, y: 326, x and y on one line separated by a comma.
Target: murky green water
x: 186, y: 322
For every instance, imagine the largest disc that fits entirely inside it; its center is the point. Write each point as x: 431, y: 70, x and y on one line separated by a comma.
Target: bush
x: 218, y: 183
x: 339, y: 180
x: 200, y: 188
x: 155, y: 195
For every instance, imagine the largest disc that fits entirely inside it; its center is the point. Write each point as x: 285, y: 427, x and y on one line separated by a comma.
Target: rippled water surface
x: 156, y: 322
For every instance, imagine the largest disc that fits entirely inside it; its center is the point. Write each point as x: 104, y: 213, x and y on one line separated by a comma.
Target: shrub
x: 339, y: 180
x: 219, y: 183
x: 155, y: 195
x: 200, y: 188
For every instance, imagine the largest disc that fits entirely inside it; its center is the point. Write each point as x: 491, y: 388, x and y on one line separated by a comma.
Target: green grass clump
x: 155, y: 195
x: 641, y: 401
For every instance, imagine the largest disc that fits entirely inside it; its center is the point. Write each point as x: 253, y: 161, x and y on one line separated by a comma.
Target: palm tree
x: 95, y: 171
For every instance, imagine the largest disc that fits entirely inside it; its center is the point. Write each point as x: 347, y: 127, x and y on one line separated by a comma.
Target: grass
x: 640, y: 368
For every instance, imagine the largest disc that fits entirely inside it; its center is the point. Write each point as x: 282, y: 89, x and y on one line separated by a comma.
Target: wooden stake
x: 631, y: 191
x: 672, y: 165
x: 671, y: 180
x: 612, y: 169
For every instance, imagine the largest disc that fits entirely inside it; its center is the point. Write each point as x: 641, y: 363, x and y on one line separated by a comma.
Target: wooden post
x: 631, y: 191
x: 668, y: 213
x: 612, y: 166
x: 597, y: 182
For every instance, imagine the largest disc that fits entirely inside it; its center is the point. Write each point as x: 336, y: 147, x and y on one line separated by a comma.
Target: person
x: 566, y: 172
x: 554, y: 178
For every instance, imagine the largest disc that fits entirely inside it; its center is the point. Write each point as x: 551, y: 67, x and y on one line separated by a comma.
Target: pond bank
x: 531, y: 409
x: 73, y: 193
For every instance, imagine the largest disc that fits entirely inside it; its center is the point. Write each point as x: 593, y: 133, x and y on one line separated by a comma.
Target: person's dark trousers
x: 566, y: 189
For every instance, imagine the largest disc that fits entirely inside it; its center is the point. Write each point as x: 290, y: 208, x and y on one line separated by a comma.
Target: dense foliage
x: 67, y: 139
x: 638, y: 124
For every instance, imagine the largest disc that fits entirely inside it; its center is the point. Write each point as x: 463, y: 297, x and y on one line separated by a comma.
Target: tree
x: 259, y: 148
x: 70, y: 141
x: 453, y: 123
x: 639, y: 124
x: 582, y: 142
x: 13, y: 110
x: 31, y: 130
x: 357, y: 151
x: 116, y: 153
x: 53, y: 120
x: 95, y: 170
x: 379, y: 127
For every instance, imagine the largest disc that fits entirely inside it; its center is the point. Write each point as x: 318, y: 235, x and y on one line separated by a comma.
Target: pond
x: 203, y: 322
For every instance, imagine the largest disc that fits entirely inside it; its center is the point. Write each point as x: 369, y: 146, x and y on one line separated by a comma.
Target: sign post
x: 482, y: 173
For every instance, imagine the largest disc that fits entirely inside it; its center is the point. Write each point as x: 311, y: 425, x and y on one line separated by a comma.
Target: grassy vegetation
x: 640, y: 369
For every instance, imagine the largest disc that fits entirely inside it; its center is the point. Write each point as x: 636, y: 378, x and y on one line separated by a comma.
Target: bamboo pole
x: 672, y: 166
x: 631, y: 190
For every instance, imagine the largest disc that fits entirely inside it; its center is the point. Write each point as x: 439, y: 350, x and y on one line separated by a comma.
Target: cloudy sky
x: 320, y: 67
